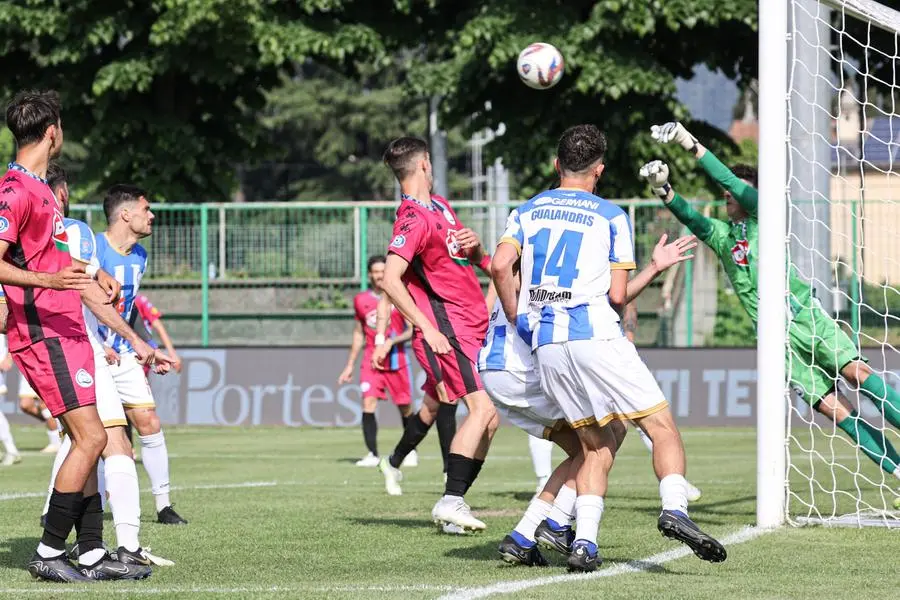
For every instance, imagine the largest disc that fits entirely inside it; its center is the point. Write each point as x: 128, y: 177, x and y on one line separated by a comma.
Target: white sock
x: 57, y: 463
x: 645, y: 438
x: 155, y: 457
x: 125, y: 498
x: 588, y: 512
x: 897, y: 472
x: 673, y: 492
x: 46, y: 551
x: 537, y: 511
x: 53, y: 437
x: 89, y: 558
x: 101, y: 482
x: 6, y: 436
x: 541, y: 456
x: 46, y: 414
x: 564, y: 506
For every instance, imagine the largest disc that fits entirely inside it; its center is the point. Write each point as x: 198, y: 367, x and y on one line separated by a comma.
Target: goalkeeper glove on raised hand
x: 674, y: 132
x: 656, y: 172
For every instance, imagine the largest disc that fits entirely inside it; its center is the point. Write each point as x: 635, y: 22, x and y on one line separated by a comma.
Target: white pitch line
x: 261, y: 589
x: 509, y: 587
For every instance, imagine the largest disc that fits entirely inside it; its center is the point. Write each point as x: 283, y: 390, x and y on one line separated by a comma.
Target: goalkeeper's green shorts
x: 819, y: 349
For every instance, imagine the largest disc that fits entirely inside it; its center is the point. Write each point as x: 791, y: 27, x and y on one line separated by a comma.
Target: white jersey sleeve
x: 504, y: 349
x: 570, y: 241
x: 83, y: 248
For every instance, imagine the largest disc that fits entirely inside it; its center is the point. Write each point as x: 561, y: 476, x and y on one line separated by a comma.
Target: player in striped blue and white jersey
x: 576, y: 252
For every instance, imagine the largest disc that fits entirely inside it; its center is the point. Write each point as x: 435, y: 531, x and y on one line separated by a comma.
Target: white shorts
x: 25, y: 389
x: 518, y: 397
x: 131, y: 383
x: 596, y: 381
x: 109, y: 405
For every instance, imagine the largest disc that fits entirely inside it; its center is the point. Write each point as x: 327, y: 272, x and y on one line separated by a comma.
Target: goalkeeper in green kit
x: 820, y: 351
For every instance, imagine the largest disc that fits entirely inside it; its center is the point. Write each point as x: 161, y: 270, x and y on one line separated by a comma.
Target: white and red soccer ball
x: 540, y: 66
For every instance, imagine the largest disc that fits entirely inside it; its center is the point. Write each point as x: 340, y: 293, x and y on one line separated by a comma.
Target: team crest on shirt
x: 60, y: 238
x: 4, y: 224
x: 740, y: 253
x: 399, y: 241
x: 453, y: 247
x: 371, y: 319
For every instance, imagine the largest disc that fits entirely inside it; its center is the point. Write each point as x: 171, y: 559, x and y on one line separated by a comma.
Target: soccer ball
x: 540, y: 66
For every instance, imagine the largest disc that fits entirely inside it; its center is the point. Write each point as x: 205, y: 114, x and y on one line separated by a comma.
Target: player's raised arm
x: 657, y: 175
x: 746, y: 195
x: 664, y: 256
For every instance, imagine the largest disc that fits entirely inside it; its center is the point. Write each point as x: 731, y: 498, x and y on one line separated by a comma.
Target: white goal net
x: 843, y: 230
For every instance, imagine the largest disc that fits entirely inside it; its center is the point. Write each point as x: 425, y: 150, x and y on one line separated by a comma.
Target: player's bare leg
x: 521, y: 545
x: 11, y: 454
x: 467, y: 452
x: 67, y: 502
x: 415, y: 432
x: 32, y: 405
x: 155, y: 458
x: 370, y: 432
x: 598, y: 445
x: 693, y: 492
x: 669, y: 464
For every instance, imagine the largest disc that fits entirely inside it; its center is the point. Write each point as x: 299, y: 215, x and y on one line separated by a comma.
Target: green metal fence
x: 240, y: 265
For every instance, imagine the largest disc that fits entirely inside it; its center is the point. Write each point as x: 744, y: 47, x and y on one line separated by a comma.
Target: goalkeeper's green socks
x: 872, y: 442
x: 886, y: 398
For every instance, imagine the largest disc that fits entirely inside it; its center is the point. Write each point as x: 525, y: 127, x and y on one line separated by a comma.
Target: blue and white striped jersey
x: 128, y: 269
x: 83, y: 248
x: 503, y: 349
x: 570, y: 241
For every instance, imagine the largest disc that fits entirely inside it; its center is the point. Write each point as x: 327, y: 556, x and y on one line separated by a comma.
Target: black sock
x: 404, y: 419
x: 446, y: 426
x: 65, y: 508
x: 370, y: 432
x: 414, y: 433
x: 459, y: 474
x: 475, y: 469
x: 89, y: 526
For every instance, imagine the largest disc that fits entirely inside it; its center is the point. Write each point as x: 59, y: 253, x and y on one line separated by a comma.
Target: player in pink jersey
x: 429, y: 276
x: 48, y: 340
x: 394, y: 375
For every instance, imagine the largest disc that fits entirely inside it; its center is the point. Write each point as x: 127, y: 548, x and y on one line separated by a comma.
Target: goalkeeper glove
x: 656, y: 172
x: 674, y: 132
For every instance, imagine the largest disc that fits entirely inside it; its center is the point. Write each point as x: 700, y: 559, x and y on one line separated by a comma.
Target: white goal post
x: 829, y: 157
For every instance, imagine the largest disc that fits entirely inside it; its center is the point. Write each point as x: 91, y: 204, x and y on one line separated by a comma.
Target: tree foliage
x: 167, y: 92
x: 622, y: 59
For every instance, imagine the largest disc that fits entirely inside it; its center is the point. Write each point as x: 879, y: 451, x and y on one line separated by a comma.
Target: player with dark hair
x: 575, y: 251
x: 394, y: 377
x: 129, y: 219
x: 820, y: 352
x: 432, y: 253
x: 48, y: 338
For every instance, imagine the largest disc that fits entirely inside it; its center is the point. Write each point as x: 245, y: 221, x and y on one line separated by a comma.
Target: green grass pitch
x: 280, y: 513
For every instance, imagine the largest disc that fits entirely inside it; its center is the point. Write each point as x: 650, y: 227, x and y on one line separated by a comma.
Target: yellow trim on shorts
x: 548, y: 431
x: 512, y: 241
x: 115, y: 423
x: 144, y: 405
x: 583, y: 423
x: 630, y: 266
x: 634, y: 415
